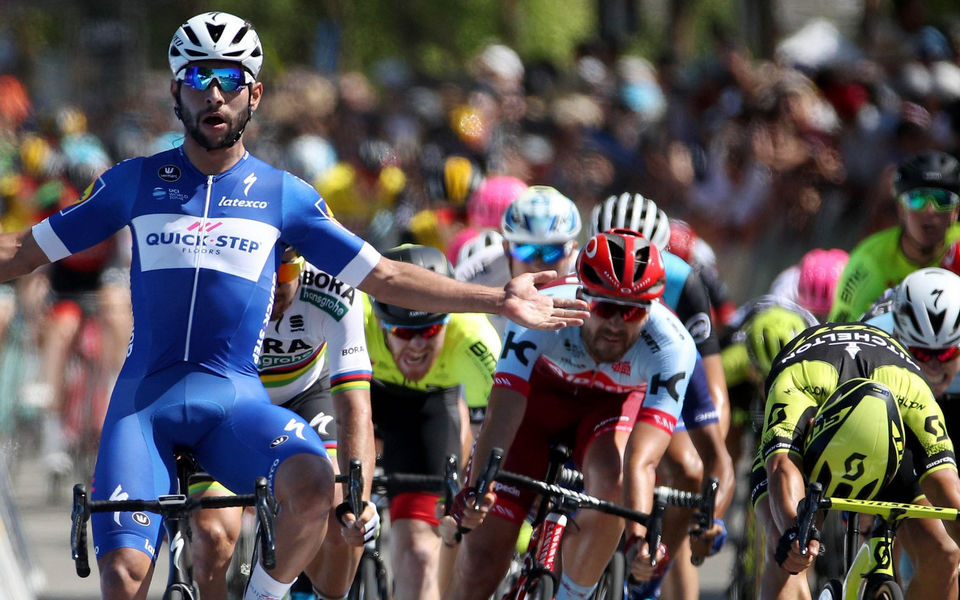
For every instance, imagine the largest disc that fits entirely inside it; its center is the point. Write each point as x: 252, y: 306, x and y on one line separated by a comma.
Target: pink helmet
x: 819, y: 272
x: 491, y: 199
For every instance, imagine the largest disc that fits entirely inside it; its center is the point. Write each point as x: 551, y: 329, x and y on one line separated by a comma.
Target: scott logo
x: 169, y: 173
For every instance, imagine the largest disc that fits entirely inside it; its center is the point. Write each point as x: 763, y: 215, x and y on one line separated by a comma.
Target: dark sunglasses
x: 917, y: 199
x: 200, y: 78
x: 548, y: 253
x: 606, y: 308
x: 408, y: 333
x: 940, y: 354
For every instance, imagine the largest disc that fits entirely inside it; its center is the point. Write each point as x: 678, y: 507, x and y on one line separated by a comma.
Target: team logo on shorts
x: 141, y: 519
x: 169, y: 173
x: 279, y: 441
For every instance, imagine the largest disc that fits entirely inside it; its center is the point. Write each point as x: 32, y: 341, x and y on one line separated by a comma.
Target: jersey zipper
x: 196, y: 268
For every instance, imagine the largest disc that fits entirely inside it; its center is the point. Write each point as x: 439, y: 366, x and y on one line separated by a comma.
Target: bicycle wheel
x: 541, y: 588
x: 243, y: 556
x: 366, y: 585
x: 885, y: 590
x: 610, y: 586
x: 831, y: 590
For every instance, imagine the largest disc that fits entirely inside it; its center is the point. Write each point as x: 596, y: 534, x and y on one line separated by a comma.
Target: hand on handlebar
x: 709, y: 542
x: 463, y: 511
x: 788, y: 553
x: 640, y: 568
x: 355, y: 531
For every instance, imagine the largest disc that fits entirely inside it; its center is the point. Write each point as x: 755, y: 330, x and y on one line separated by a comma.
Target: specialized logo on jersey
x: 235, y: 246
x: 249, y: 181
x: 169, y: 173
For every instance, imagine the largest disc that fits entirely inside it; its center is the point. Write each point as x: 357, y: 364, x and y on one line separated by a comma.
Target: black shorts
x: 419, y: 429
x: 315, y: 405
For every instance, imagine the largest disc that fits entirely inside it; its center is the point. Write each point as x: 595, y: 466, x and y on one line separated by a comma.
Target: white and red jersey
x: 660, y: 361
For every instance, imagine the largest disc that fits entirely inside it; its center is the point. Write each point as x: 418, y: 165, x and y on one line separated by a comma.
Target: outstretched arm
x: 413, y: 287
x: 19, y: 254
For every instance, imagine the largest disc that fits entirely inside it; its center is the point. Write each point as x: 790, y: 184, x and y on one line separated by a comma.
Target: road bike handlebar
x: 170, y: 505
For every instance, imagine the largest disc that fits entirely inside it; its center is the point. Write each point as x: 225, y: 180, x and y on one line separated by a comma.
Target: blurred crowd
x: 764, y: 158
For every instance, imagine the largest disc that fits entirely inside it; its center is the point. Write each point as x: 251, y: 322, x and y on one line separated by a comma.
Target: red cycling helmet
x: 682, y: 239
x: 623, y: 264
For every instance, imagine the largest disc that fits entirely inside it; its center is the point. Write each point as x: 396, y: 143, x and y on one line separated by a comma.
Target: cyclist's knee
x: 214, y: 540
x: 124, y: 573
x: 304, y: 486
x: 683, y: 470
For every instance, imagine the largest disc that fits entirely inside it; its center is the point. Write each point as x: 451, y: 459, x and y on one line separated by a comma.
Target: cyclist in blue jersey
x: 209, y: 223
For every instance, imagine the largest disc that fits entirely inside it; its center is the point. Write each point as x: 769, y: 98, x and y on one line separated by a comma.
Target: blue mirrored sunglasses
x: 200, y: 78
x: 943, y: 200
x: 548, y: 253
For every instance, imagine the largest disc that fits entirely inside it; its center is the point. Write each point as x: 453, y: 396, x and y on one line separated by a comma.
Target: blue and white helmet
x: 541, y: 215
x: 216, y: 36
x: 926, y: 309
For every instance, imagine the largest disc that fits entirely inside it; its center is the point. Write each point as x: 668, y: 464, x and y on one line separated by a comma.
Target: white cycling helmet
x: 926, y: 309
x: 541, y: 215
x: 216, y: 36
x: 478, y: 243
x: 632, y: 211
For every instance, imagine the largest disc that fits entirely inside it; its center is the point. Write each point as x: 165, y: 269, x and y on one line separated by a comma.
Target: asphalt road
x: 45, y: 522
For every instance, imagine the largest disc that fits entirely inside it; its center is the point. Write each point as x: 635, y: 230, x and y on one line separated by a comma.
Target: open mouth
x: 214, y: 120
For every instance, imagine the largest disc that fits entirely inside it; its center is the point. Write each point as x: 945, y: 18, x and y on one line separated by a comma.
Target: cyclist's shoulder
x: 883, y: 241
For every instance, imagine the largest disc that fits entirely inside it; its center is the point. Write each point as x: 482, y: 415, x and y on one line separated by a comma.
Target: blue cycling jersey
x: 205, y: 254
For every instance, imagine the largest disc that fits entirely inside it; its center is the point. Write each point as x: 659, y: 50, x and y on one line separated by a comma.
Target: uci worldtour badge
x: 169, y: 173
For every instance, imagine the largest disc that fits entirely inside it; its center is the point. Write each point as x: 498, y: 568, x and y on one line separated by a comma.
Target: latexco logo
x: 169, y: 173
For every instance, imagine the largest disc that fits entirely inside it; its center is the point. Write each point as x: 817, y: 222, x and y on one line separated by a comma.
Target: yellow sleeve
x: 736, y: 364
x: 792, y: 403
x: 477, y: 353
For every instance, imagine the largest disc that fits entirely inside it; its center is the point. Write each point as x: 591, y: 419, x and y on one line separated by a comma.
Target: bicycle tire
x: 366, y: 583
x: 885, y: 590
x: 178, y: 591
x: 541, y: 588
x: 831, y: 590
x: 611, y: 584
x: 241, y: 563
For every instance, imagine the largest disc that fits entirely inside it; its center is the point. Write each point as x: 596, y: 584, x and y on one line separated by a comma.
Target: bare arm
x: 413, y: 287
x: 787, y: 488
x: 716, y: 463
x: 942, y: 488
x: 645, y: 448
x: 355, y: 433
x: 504, y: 414
x: 717, y: 384
x: 19, y: 254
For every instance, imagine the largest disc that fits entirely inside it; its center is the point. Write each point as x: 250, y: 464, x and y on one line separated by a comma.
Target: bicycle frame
x: 872, y: 565
x: 559, y: 503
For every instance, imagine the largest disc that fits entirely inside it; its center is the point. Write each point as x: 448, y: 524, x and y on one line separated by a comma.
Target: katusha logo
x: 203, y: 238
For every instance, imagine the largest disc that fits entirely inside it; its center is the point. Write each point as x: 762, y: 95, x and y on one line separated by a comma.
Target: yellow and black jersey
x: 812, y: 365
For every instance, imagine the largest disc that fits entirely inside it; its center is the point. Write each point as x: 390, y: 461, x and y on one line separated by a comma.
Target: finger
x: 573, y: 303
x: 569, y: 313
x: 544, y: 276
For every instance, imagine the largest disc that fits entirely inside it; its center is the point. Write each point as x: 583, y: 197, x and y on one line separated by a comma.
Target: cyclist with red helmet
x: 583, y: 387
